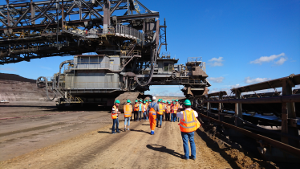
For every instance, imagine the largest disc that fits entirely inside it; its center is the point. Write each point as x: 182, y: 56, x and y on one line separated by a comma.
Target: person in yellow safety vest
x: 144, y: 110
x: 147, y: 103
x: 135, y: 110
x: 127, y: 114
x: 174, y: 112
x: 168, y: 111
x: 152, y: 109
x: 114, y: 115
x: 188, y: 124
x: 159, y: 113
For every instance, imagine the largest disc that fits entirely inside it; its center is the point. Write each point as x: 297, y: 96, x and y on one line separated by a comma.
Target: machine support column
x: 238, y: 110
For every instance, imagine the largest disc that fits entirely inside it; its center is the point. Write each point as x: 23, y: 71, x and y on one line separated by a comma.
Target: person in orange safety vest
x: 127, y: 114
x: 114, y: 115
x: 188, y: 124
x: 168, y: 111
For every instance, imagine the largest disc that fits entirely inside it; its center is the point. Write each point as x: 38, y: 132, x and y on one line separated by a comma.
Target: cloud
x: 235, y: 86
x: 268, y: 59
x: 216, y: 79
x: 216, y: 62
x: 280, y: 61
x: 8, y: 69
x: 257, y: 80
x: 47, y: 68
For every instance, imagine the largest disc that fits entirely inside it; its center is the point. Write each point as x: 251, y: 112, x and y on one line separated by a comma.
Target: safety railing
x: 95, y: 65
x: 125, y: 31
x: 286, y: 111
x: 94, y: 85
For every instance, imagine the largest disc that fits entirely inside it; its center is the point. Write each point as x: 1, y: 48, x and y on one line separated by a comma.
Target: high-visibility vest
x: 114, y: 114
x: 152, y: 112
x: 168, y: 109
x: 189, y: 122
x: 160, y: 109
x: 136, y: 107
x: 175, y: 108
x: 144, y: 108
x: 127, y: 110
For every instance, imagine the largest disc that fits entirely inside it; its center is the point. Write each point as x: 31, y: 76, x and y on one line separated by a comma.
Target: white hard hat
x: 153, y: 98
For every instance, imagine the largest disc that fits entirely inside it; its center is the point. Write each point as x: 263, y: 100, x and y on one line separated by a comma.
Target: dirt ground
x: 43, y: 137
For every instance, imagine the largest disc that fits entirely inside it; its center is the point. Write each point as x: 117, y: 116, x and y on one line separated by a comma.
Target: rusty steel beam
x: 290, y: 149
x: 217, y: 93
x: 277, y: 99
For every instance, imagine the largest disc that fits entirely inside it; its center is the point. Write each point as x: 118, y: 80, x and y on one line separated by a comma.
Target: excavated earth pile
x: 17, y: 88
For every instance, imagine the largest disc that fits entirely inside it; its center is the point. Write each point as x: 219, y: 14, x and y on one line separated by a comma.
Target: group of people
x: 156, y: 111
x: 167, y: 110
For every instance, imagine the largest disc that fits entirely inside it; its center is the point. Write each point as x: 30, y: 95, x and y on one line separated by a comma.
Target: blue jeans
x: 186, y: 137
x: 158, y: 117
x: 145, y: 116
x: 115, y: 122
x: 127, y: 121
x: 174, y: 117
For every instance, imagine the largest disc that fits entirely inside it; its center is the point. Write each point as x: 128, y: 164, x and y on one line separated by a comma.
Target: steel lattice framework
x: 35, y: 29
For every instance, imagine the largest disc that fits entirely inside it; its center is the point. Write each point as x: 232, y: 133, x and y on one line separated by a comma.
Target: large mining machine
x: 124, y: 39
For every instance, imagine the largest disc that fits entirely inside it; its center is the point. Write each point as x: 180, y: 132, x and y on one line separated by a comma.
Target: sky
x: 242, y: 42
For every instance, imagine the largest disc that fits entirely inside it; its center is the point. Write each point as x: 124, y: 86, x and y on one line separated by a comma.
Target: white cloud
x: 267, y: 58
x: 281, y: 61
x: 216, y: 62
x: 8, y: 69
x: 216, y: 79
x: 257, y: 80
x: 235, y: 86
x: 47, y: 68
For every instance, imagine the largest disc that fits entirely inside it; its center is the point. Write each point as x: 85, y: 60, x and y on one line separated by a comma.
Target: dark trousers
x: 167, y: 116
x: 139, y: 115
x: 158, y: 119
x: 135, y: 115
x: 174, y: 117
x: 115, y: 123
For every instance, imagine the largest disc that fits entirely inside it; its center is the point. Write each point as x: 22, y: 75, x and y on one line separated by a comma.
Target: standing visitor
x: 127, y: 114
x: 114, y: 115
x: 188, y: 125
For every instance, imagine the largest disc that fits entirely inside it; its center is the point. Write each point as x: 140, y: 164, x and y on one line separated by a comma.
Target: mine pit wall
x: 12, y: 90
x: 17, y: 88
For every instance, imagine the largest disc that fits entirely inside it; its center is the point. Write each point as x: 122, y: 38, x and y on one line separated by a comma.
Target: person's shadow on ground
x: 142, y: 131
x: 103, y: 132
x: 163, y: 149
